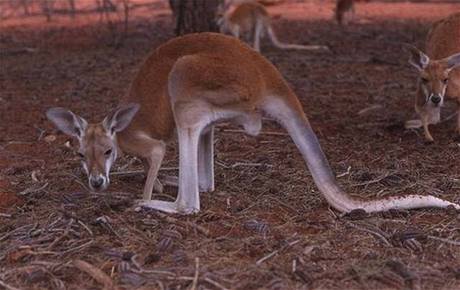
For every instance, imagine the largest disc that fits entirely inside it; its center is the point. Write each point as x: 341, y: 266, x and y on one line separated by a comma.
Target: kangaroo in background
x: 344, y: 8
x: 189, y: 84
x: 439, y: 73
x: 253, y: 17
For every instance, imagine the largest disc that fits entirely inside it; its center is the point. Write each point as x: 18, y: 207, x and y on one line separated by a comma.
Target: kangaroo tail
x: 293, y: 119
x: 279, y: 44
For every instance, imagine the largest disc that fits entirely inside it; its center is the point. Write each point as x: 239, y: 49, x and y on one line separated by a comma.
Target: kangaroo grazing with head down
x: 190, y: 83
x: 252, y: 17
x: 439, y: 73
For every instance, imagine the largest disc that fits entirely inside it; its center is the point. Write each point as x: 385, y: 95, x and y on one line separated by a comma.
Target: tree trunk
x: 126, y: 15
x: 195, y: 15
x: 47, y: 8
x: 25, y: 6
x: 72, y: 8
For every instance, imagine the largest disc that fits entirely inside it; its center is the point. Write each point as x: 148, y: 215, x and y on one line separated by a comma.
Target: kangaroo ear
x: 453, y: 61
x: 120, y: 119
x: 417, y: 59
x: 66, y: 121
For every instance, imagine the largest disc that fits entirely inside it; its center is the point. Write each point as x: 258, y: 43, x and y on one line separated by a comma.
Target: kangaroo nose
x: 97, y: 182
x: 436, y: 99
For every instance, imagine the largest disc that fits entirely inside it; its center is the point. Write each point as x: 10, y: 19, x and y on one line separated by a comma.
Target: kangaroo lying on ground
x: 189, y: 84
x: 439, y: 73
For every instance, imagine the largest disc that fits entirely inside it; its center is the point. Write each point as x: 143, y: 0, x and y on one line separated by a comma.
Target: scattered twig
x: 344, y: 173
x: 169, y: 180
x: 375, y: 233
x: 64, y: 235
x: 14, y: 52
x: 261, y: 133
x: 197, y: 271
x: 95, y: 273
x: 456, y: 243
x: 260, y: 261
x: 77, y: 180
x: 214, y: 283
x: 376, y: 180
x: 169, y: 168
x: 173, y: 220
x: 6, y: 215
x: 241, y: 164
x: 8, y: 287
x: 451, y: 116
x: 238, y: 164
x: 86, y: 227
x: 5, y: 236
x: 33, y: 190
x: 370, y: 108
x: 127, y: 173
x: 139, y: 172
x: 42, y: 132
x: 16, y: 143
x: 263, y: 259
x: 140, y: 270
x: 77, y: 247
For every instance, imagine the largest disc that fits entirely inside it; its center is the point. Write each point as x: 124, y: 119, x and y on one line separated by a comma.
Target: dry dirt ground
x: 266, y: 225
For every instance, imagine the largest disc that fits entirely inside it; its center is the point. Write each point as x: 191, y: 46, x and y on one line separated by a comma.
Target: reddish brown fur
x: 444, y: 40
x: 220, y: 53
x: 196, y: 80
x: 96, y: 142
x: 251, y: 18
x: 246, y: 15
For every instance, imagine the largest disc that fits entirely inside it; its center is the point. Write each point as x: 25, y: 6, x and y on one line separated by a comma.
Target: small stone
x: 50, y: 138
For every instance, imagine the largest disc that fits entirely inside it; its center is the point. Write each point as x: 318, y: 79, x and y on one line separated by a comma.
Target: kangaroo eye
x: 424, y: 80
x: 445, y: 80
x: 81, y: 155
x: 108, y: 152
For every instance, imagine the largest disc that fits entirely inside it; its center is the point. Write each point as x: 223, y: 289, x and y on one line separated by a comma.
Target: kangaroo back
x: 443, y: 39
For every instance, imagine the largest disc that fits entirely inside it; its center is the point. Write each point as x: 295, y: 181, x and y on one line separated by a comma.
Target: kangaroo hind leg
x: 206, y: 160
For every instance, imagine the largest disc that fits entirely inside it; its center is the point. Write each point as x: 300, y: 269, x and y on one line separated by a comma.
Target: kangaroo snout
x: 98, y: 182
x: 436, y: 99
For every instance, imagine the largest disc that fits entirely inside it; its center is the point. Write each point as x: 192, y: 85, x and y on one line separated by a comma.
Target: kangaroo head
x: 98, y: 147
x: 433, y: 75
